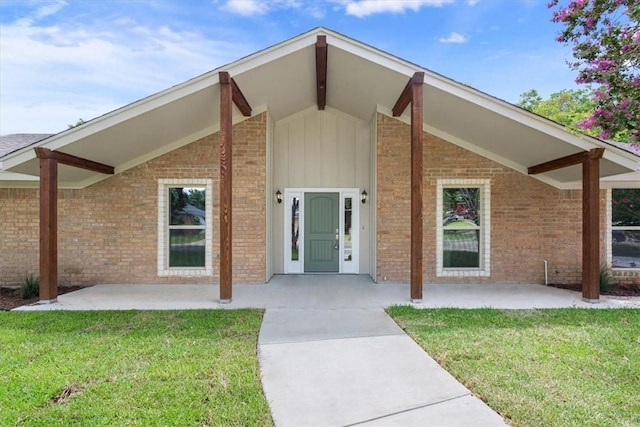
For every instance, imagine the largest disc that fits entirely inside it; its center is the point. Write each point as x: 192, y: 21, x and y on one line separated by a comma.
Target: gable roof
x: 361, y: 81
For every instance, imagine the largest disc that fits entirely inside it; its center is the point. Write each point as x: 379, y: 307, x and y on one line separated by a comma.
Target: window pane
x: 625, y: 207
x: 461, y: 207
x: 625, y: 248
x: 186, y: 206
x: 347, y: 229
x: 461, y: 249
x: 295, y: 228
x: 186, y: 248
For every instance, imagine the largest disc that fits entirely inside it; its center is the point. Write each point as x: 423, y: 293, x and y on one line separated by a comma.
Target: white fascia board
x: 475, y: 149
x: 268, y: 55
x: 374, y: 55
x: 113, y: 118
x: 237, y: 118
x: 528, y: 118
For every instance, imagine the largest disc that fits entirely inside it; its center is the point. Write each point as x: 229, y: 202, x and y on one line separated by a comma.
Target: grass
x: 178, y: 368
x: 565, y: 367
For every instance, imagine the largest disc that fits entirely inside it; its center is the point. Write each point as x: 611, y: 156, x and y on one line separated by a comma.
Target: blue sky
x: 65, y: 60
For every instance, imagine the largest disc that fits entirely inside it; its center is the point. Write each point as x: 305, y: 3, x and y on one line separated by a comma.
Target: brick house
x: 343, y: 159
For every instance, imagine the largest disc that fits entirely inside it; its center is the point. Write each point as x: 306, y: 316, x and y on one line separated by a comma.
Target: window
x: 184, y: 231
x: 625, y: 228
x: 463, y: 227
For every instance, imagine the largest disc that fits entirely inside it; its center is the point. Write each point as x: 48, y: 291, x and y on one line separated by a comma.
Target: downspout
x: 546, y: 274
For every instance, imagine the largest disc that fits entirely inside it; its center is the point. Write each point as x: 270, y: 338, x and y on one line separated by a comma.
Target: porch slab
x: 326, y: 291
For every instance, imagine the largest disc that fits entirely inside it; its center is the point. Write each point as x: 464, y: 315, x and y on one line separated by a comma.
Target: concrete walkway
x: 338, y: 367
x: 330, y: 355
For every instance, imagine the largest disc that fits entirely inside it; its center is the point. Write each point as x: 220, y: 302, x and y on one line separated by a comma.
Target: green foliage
x: 78, y: 123
x: 625, y: 205
x: 30, y: 286
x: 605, y: 278
x: 555, y: 367
x: 605, y: 39
x: 567, y: 107
x: 119, y: 368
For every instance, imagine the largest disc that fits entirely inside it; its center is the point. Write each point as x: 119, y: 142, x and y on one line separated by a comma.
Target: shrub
x: 30, y: 286
x: 605, y: 278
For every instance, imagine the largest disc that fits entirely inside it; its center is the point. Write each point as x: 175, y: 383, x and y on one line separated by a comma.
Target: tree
x: 605, y: 35
x: 568, y: 107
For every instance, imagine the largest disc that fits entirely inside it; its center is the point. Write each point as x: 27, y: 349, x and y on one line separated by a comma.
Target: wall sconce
x: 363, y: 196
x: 279, y: 196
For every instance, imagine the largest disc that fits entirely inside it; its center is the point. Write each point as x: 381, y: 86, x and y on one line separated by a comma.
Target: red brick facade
x: 108, y: 232
x: 530, y: 221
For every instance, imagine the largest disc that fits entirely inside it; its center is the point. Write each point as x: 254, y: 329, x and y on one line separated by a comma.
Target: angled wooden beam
x: 239, y: 99
x: 416, y: 185
x: 226, y: 128
x: 591, y: 225
x: 562, y: 162
x: 48, y: 230
x: 71, y: 160
x: 403, y: 100
x: 321, y: 71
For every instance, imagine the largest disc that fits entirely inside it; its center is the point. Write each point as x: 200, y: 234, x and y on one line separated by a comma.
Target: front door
x: 322, y: 232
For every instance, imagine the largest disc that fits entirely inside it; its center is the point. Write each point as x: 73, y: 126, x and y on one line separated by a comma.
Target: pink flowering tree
x: 605, y: 35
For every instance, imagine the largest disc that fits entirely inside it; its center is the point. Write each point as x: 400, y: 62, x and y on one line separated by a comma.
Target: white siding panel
x: 347, y: 152
x: 322, y: 149
x: 313, y: 151
x: 329, y: 150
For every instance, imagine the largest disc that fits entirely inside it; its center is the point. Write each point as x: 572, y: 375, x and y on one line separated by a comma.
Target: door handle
x: 336, y: 244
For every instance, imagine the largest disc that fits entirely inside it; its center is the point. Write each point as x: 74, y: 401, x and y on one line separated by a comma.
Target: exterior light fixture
x: 279, y: 196
x: 363, y: 196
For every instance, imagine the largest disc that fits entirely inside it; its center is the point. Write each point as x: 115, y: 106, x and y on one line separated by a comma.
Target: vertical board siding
x: 321, y: 149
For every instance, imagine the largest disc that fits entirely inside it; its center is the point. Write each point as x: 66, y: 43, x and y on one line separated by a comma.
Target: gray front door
x: 321, y: 232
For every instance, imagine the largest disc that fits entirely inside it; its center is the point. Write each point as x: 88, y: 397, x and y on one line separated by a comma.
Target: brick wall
x: 530, y: 221
x: 107, y: 233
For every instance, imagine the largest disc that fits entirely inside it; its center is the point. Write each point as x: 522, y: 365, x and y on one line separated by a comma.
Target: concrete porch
x: 323, y: 291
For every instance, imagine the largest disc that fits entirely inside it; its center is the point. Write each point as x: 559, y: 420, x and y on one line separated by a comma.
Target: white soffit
x: 282, y: 78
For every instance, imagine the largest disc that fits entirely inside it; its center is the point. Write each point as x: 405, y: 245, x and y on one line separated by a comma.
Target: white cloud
x: 247, y: 7
x: 54, y: 74
x: 472, y: 2
x: 262, y: 7
x: 364, y: 8
x: 454, y: 38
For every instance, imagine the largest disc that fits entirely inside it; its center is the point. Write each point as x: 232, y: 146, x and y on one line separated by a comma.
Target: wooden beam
x: 226, y: 127
x: 562, y: 162
x: 416, y: 185
x: 591, y: 225
x: 404, y: 99
x: 48, y: 230
x: 71, y: 160
x: 239, y: 99
x: 321, y: 71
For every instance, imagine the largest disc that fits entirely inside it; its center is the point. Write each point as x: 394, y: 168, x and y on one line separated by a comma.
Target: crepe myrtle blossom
x: 605, y: 37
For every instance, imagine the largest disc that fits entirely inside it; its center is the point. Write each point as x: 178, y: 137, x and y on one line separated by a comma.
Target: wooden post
x: 591, y: 226
x: 416, y: 186
x: 226, y: 127
x: 48, y: 230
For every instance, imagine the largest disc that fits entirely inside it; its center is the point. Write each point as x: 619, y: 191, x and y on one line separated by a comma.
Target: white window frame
x: 484, y: 269
x: 345, y: 267
x: 163, y: 227
x: 609, y: 233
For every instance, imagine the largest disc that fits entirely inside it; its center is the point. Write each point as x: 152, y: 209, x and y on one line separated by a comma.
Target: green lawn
x: 173, y: 368
x: 565, y: 367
